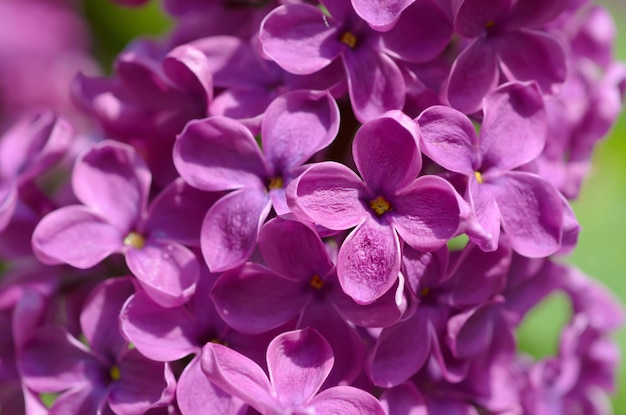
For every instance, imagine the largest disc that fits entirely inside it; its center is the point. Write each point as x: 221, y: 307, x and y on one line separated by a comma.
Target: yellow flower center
x: 316, y: 282
x: 490, y: 24
x: 380, y: 205
x: 134, y: 240
x: 479, y: 177
x: 115, y: 373
x: 425, y: 291
x: 349, y: 39
x: 276, y: 183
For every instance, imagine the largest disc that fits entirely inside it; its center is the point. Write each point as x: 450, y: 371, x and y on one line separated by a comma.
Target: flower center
x: 349, y: 39
x: 425, y: 291
x: 479, y: 177
x: 115, y: 373
x: 316, y: 282
x: 380, y: 205
x: 275, y: 183
x: 134, y: 240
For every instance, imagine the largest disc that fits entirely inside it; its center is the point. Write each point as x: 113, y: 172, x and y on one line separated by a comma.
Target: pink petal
x: 190, y: 70
x: 532, y: 214
x: 252, y: 299
x: 231, y: 228
x: 449, y: 139
x: 482, y: 200
x: 404, y: 399
x: 346, y: 400
x: 473, y: 74
x: 161, y: 334
x: 167, y: 270
x: 515, y: 126
x: 114, y: 181
x: 381, y: 16
x: 99, y: 317
x: 426, y: 214
x: 8, y: 202
x: 195, y: 394
x: 300, y: 38
x: 298, y: 363
x: 375, y: 83
x: 293, y: 250
x: 143, y: 384
x: 77, y: 236
x: 296, y: 125
x: 402, y: 349
x: 218, y: 153
x: 239, y: 376
x: 164, y: 220
x: 369, y: 261
x: 386, y: 151
x: 527, y: 55
x: 329, y: 194
x: 427, y: 25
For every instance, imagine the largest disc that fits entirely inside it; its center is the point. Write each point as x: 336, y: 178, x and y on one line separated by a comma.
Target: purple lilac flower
x: 303, y: 39
x: 27, y: 150
x: 300, y: 283
x: 112, y: 182
x: 219, y: 153
x: 149, y: 101
x: 513, y: 133
x: 169, y: 334
x: 107, y: 376
x: 390, y: 204
x: 250, y: 83
x: 506, y: 37
x: 298, y: 363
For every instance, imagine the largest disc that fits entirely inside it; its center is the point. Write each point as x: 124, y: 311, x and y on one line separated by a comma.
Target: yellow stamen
x: 380, y: 205
x: 115, y: 373
x: 425, y: 291
x: 490, y: 24
x: 316, y: 282
x: 349, y: 39
x: 218, y: 341
x: 479, y: 177
x: 275, y: 183
x: 134, y: 240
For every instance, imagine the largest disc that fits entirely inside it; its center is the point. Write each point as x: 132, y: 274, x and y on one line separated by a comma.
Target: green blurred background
x: 601, y: 209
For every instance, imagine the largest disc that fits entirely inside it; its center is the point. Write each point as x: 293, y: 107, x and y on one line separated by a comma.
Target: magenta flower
x: 390, y: 204
x: 506, y: 37
x: 219, y: 153
x: 513, y: 133
x: 27, y: 150
x: 112, y: 182
x: 106, y: 376
x: 298, y: 363
x: 302, y: 39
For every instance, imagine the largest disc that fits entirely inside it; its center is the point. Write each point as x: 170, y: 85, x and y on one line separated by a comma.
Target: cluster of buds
x: 310, y: 208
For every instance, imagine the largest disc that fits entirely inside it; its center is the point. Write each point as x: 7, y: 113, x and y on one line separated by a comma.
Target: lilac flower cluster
x: 302, y: 207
